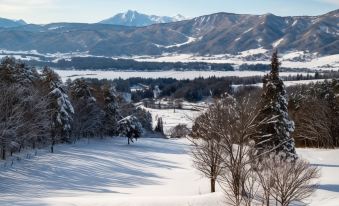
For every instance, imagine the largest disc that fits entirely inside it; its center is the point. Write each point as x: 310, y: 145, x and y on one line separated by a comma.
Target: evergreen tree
x: 145, y: 118
x: 129, y: 127
x: 88, y: 115
x: 275, y: 136
x: 13, y: 71
x: 111, y: 109
x: 61, y: 109
x: 160, y: 126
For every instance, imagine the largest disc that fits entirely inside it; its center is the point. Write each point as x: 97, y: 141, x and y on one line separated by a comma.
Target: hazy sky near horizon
x: 90, y: 11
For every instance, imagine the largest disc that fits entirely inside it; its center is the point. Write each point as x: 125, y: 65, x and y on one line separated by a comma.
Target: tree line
x: 38, y: 109
x: 200, y: 88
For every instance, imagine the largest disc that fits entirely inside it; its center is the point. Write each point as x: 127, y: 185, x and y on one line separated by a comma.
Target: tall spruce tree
x: 111, y: 109
x: 60, y: 108
x: 88, y: 115
x: 275, y: 136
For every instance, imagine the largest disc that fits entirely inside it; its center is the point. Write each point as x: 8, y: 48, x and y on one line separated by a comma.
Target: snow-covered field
x: 171, y: 119
x: 286, y: 83
x: 150, y: 172
x: 292, y: 59
x: 106, y: 172
x: 74, y: 74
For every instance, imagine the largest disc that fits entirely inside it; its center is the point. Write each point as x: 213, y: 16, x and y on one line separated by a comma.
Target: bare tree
x: 313, y: 124
x: 11, y: 112
x: 36, y: 127
x: 207, y: 150
x: 238, y: 177
x: 287, y: 182
x: 23, y: 118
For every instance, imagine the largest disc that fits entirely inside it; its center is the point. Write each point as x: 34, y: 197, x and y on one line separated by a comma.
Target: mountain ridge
x: 219, y: 33
x: 8, y: 23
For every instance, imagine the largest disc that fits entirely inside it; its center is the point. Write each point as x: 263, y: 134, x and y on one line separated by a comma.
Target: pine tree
x: 275, y: 136
x: 145, y: 118
x: 88, y: 115
x: 160, y: 126
x: 111, y: 109
x: 61, y: 109
x: 130, y: 127
x: 13, y: 71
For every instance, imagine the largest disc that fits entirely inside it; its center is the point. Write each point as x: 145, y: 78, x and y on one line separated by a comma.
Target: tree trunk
x: 52, y: 147
x: 3, y: 153
x: 128, y: 139
x: 212, y: 185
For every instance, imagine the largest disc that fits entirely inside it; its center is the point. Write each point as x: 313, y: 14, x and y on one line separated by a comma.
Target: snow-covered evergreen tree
x: 111, y: 109
x: 13, y: 71
x: 60, y: 107
x: 145, y: 118
x: 129, y: 127
x: 88, y: 115
x: 275, y: 136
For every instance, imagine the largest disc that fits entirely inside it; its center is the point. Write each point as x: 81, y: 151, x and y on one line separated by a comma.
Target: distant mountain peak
x: 134, y: 18
x: 8, y: 23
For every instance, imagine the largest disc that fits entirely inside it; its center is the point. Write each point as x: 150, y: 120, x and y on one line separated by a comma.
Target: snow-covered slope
x: 106, y: 173
x: 152, y: 172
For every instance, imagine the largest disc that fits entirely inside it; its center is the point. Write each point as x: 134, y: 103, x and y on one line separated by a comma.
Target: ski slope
x: 106, y: 172
x: 153, y: 172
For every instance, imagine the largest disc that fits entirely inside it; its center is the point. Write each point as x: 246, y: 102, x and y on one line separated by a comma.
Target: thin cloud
x: 334, y: 2
x: 26, y: 4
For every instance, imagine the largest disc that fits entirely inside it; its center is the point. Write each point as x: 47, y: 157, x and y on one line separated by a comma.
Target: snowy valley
x: 233, y: 106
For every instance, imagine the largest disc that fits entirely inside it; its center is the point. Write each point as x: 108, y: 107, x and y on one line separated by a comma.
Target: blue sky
x: 46, y: 11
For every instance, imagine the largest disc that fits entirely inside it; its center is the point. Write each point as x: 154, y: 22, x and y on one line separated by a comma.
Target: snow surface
x: 172, y: 119
x: 106, y: 173
x: 286, y: 83
x: 74, y: 74
x: 152, y: 172
x: 189, y: 40
x: 278, y: 42
x: 253, y: 52
x: 306, y: 60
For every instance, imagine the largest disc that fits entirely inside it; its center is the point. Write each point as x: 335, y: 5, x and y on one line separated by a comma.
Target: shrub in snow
x: 276, y: 134
x: 179, y: 131
x: 130, y: 127
x: 285, y: 182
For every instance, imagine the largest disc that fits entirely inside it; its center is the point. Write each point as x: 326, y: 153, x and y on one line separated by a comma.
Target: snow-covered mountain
x: 8, y: 23
x: 134, y: 18
x: 215, y: 34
